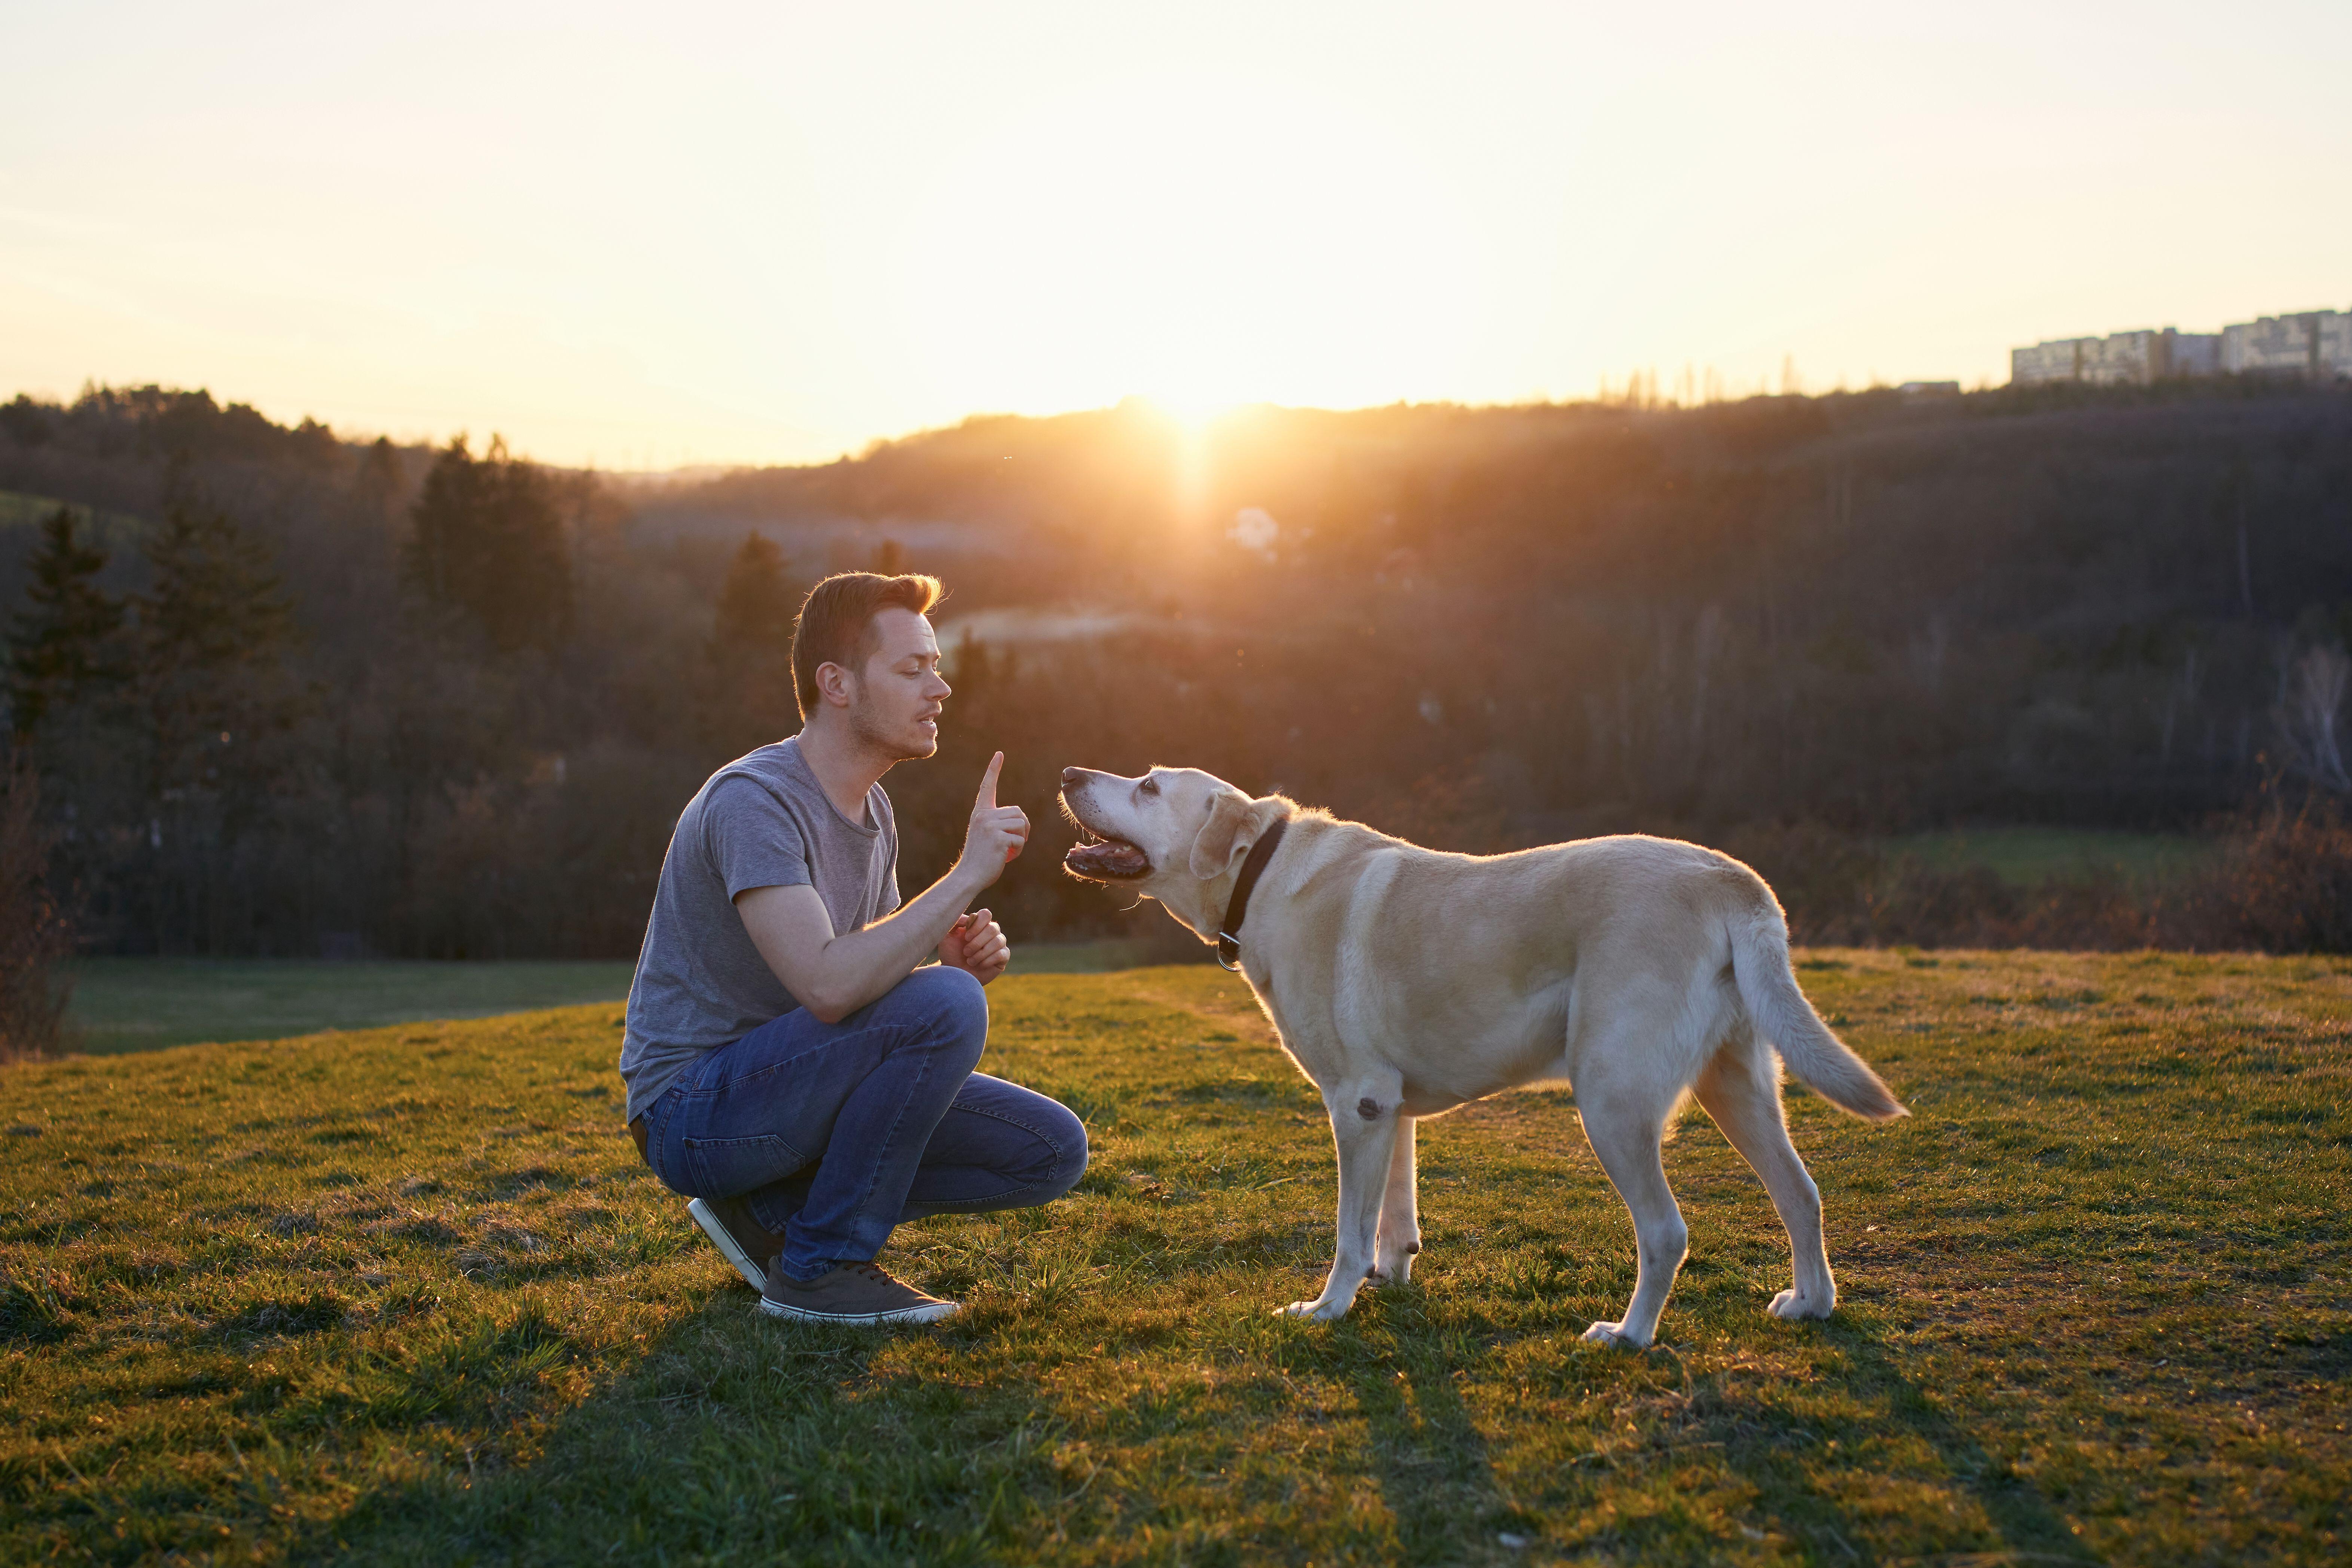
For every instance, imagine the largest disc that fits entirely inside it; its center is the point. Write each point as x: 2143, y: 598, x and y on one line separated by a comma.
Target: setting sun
x: 1247, y: 242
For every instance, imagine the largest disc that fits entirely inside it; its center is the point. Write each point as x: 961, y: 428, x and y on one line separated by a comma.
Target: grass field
x: 2028, y: 856
x: 140, y: 1004
x: 405, y: 1295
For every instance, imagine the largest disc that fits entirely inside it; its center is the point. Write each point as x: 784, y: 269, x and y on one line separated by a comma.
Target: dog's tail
x: 1760, y: 964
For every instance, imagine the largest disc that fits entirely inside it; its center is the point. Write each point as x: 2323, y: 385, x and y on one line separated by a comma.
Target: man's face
x: 896, y: 698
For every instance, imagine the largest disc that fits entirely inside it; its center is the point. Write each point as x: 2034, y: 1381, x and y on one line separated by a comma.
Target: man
x: 789, y: 1068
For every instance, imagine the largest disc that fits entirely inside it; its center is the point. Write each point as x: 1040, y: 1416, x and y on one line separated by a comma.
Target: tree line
x: 274, y: 692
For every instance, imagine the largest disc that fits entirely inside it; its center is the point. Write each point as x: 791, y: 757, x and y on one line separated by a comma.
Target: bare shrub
x: 2284, y: 886
x: 2283, y: 883
x: 2309, y: 715
x: 33, y: 934
x: 1831, y: 883
x: 1839, y: 890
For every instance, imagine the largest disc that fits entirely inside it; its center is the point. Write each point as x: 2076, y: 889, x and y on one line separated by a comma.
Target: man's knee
x: 952, y: 1004
x: 1073, y: 1164
x: 1068, y: 1136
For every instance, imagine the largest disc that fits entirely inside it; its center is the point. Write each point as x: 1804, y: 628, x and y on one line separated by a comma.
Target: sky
x: 650, y: 236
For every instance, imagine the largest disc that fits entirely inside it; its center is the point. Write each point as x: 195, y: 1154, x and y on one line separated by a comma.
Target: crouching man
x: 789, y: 1068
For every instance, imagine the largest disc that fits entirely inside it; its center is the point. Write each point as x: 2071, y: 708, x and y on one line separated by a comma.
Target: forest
x: 275, y: 692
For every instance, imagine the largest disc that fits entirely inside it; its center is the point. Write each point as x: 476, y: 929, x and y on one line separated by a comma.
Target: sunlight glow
x: 778, y: 232
x: 1254, y: 244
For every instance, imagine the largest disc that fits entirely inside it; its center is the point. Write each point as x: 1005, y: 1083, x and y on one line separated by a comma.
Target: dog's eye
x: 1149, y: 786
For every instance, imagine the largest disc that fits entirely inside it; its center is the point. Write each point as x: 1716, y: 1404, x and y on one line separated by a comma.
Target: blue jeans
x: 835, y: 1132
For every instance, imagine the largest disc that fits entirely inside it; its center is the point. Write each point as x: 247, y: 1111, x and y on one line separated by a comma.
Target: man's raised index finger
x: 988, y: 782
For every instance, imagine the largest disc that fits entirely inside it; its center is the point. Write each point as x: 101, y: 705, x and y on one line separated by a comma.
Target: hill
x: 2117, y: 610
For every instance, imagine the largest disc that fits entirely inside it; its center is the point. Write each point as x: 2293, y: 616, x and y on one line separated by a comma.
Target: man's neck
x: 846, y: 770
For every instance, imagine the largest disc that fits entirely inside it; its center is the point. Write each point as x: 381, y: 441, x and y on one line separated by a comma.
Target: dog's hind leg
x: 1400, y: 1232
x: 1740, y: 1089
x: 1626, y: 1121
x: 1364, y: 1117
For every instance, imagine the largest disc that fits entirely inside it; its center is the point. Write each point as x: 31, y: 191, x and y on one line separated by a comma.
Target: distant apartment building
x: 2196, y: 353
x: 2060, y: 359
x: 2315, y: 343
x: 2311, y: 342
x: 2120, y: 357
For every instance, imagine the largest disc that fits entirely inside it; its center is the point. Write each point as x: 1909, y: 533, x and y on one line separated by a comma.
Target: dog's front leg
x: 1400, y: 1232
x: 1364, y: 1126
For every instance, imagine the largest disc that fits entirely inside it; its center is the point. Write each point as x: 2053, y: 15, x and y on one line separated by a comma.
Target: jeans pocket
x: 725, y: 1167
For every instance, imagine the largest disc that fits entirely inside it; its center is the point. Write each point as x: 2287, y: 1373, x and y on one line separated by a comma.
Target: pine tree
x: 377, y: 482
x: 215, y: 629
x: 751, y: 651
x: 490, y: 543
x: 34, y: 931
x: 757, y: 602
x: 63, y: 646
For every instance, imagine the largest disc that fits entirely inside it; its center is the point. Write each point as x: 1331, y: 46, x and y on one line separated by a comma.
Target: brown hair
x: 836, y: 623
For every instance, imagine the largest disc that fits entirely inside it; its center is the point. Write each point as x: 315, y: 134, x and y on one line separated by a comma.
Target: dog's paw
x: 1612, y: 1335
x: 1392, y: 1261
x: 1790, y: 1305
x: 1317, y: 1311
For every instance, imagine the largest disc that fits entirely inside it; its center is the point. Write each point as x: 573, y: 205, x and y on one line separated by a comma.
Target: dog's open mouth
x: 1105, y: 859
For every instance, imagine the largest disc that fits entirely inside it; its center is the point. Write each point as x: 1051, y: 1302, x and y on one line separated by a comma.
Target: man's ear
x: 833, y: 684
x: 1219, y: 843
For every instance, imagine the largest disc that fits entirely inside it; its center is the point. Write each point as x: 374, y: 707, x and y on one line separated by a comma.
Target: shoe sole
x: 753, y: 1275
x: 930, y: 1314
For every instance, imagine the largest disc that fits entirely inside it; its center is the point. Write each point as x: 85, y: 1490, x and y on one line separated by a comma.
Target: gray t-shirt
x: 762, y: 821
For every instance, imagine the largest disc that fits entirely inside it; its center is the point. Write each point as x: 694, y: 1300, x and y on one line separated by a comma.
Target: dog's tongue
x: 1110, y: 858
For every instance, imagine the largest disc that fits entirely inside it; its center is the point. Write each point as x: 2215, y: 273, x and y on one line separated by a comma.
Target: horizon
x: 1189, y: 428
x: 756, y: 239
x: 1193, y: 426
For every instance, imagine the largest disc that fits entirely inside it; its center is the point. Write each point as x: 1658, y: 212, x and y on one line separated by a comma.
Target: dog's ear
x: 1220, y: 837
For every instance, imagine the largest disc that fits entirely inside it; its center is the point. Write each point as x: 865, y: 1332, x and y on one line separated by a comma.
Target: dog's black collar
x: 1229, y: 946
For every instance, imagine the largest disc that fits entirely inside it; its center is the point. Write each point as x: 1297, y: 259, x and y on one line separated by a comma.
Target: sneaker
x: 749, y: 1246
x: 851, y: 1293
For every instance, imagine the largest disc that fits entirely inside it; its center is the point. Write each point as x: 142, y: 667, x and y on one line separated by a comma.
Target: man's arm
x: 833, y: 975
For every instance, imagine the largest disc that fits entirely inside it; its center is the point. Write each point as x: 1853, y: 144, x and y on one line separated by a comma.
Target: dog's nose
x: 1073, y: 775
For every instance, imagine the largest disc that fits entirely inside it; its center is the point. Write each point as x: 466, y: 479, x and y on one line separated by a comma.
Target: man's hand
x: 976, y: 944
x: 996, y: 834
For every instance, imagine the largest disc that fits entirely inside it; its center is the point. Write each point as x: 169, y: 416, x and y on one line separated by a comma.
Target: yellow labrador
x: 1405, y: 982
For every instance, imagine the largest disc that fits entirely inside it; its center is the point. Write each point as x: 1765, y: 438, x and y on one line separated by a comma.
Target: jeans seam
x: 689, y: 1147
x: 657, y: 1130
x: 874, y: 1176
x: 1039, y: 1133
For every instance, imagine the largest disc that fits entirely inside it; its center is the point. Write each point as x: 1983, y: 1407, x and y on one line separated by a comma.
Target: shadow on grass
x: 1436, y: 1474
x: 1780, y: 1455
x: 732, y: 1437
x: 2030, y: 1529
